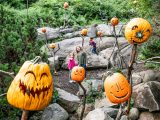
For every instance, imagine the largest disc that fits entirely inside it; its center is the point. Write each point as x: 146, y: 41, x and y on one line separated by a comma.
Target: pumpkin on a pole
x: 83, y: 33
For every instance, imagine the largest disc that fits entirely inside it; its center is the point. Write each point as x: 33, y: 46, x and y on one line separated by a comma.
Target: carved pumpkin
x: 84, y: 32
x: 99, y: 33
x: 32, y: 87
x: 66, y: 5
x: 43, y: 30
x: 117, y: 88
x: 52, y: 45
x: 114, y: 21
x: 138, y: 30
x: 78, y: 74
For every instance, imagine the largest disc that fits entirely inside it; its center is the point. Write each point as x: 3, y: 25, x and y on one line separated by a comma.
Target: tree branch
x: 149, y: 60
x: 7, y: 73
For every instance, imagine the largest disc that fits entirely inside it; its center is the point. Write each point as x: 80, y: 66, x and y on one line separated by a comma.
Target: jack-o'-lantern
x: 43, y: 30
x: 117, y: 88
x: 114, y: 21
x: 84, y: 32
x: 78, y: 74
x: 138, y: 30
x: 52, y: 45
x: 66, y: 5
x: 32, y: 87
x: 99, y: 33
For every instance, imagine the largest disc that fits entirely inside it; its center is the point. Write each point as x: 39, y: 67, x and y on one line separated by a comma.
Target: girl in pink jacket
x: 71, y: 64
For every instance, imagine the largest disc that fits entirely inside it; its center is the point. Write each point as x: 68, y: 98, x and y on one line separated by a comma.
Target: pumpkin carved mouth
x: 32, y: 91
x: 120, y: 96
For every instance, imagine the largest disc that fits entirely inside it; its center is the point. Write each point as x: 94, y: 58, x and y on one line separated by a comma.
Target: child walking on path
x: 71, y: 64
x: 93, y: 44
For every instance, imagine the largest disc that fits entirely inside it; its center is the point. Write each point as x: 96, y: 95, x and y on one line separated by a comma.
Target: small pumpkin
x: 78, y: 74
x: 117, y: 88
x: 99, y: 33
x: 52, y: 45
x: 32, y: 87
x: 66, y: 5
x: 114, y: 21
x: 138, y: 30
x: 43, y: 30
x: 84, y: 32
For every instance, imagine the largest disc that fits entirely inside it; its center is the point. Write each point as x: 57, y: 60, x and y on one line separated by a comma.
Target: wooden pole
x: 25, y: 115
x: 84, y: 100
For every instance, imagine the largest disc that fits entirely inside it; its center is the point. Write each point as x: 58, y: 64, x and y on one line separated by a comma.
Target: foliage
x: 93, y: 95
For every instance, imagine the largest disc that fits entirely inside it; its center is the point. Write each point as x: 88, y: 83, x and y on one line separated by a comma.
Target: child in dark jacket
x: 93, y: 44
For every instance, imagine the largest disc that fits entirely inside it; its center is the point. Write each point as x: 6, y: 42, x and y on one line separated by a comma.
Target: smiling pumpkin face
x: 32, y: 87
x: 117, y: 88
x: 138, y: 30
x: 78, y: 74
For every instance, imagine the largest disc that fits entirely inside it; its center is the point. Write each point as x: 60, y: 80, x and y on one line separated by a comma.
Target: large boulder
x: 149, y: 116
x: 98, y: 114
x: 69, y: 101
x: 147, y: 95
x: 54, y: 112
x: 94, y: 61
x: 91, y: 85
x: 151, y: 75
x: 51, y: 33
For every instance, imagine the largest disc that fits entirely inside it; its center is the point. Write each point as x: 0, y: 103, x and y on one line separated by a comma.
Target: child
x: 71, y: 64
x: 93, y: 44
x: 81, y: 57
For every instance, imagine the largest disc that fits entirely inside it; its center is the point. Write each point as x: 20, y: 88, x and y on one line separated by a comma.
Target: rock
x: 69, y: 101
x: 134, y: 114
x: 92, y: 84
x: 98, y: 114
x: 88, y: 108
x: 87, y: 85
x: 149, y: 116
x: 124, y: 117
x: 54, y: 112
x: 94, y: 61
x: 50, y: 32
x: 54, y: 61
x: 108, y: 29
x: 151, y: 75
x: 147, y: 96
x: 72, y: 35
x: 67, y: 30
x: 112, y: 112
x: 136, y: 78
x: 92, y: 31
x: 99, y: 103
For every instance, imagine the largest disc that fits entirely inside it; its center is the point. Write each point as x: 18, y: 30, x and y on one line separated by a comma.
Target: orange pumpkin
x: 43, y: 30
x: 78, y: 74
x: 66, y: 5
x: 84, y: 32
x: 99, y: 33
x: 52, y: 45
x: 32, y: 87
x: 114, y: 21
x: 117, y: 88
x: 138, y: 30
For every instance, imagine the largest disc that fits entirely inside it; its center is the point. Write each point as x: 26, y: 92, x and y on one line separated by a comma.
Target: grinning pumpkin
x: 78, y: 74
x: 32, y: 87
x: 114, y: 21
x: 66, y: 5
x: 138, y: 30
x: 84, y: 32
x: 99, y: 33
x: 117, y: 88
x: 52, y: 45
x: 43, y: 30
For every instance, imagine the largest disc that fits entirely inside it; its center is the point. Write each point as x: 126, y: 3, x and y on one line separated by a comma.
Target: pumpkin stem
x: 139, y: 35
x: 36, y: 59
